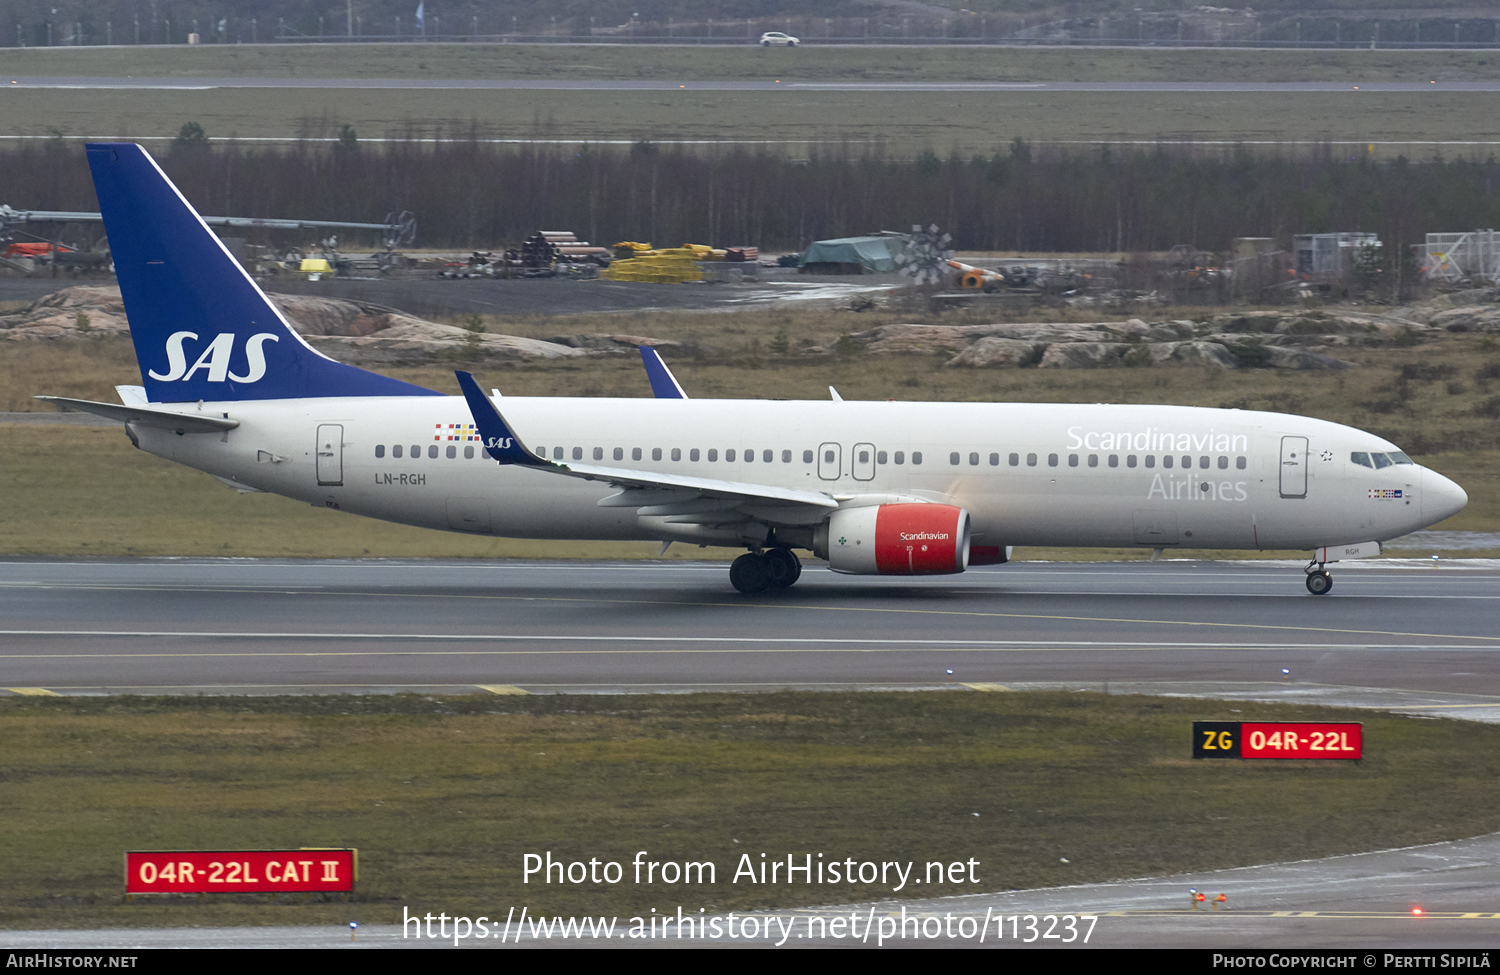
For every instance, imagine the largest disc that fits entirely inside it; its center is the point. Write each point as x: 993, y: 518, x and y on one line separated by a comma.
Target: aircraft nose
x: 1441, y: 498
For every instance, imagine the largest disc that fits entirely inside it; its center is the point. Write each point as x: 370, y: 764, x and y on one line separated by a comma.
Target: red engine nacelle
x: 896, y: 540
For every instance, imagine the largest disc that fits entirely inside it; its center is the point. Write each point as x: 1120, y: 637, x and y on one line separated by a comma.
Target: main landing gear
x: 1319, y: 582
x: 775, y: 568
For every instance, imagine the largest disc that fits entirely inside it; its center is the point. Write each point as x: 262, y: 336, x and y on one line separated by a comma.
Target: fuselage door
x: 863, y: 463
x: 830, y: 461
x: 1294, y: 467
x: 330, y: 454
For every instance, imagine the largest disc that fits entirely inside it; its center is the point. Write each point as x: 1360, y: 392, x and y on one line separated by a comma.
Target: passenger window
x: 432, y: 451
x: 994, y: 460
x: 1381, y: 460
x: 916, y: 457
x: 1114, y: 460
x: 749, y: 457
x: 1150, y: 460
x: 693, y: 455
x: 766, y: 456
x: 1203, y: 463
x: 1130, y: 460
x: 541, y: 451
x: 416, y: 451
x: 1239, y: 463
x: 1051, y: 460
x: 1359, y: 457
x: 864, y: 456
x: 786, y: 456
x: 468, y: 453
x: 1072, y: 460
x: 1031, y: 460
x: 452, y: 452
x: 598, y: 453
x: 1223, y: 463
x: 578, y: 453
x: 1187, y: 462
x: 557, y: 453
x: 1015, y: 460
x: 974, y: 460
x: 807, y: 456
x: 619, y: 453
x: 900, y: 457
x: 828, y: 457
x: 656, y: 453
x: 880, y: 457
x: 728, y: 456
x: 677, y: 453
x: 380, y: 450
x: 713, y: 454
x: 635, y: 453
x: 953, y: 457
x: 396, y: 451
x: 1166, y: 461
x: 1093, y: 460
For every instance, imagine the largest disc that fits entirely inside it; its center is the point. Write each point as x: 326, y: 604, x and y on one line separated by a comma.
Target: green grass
x: 899, y: 124
x: 442, y: 796
x: 475, y: 61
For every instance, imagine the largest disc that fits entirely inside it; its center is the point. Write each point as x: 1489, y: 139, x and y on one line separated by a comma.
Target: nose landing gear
x: 1319, y: 581
x: 753, y: 572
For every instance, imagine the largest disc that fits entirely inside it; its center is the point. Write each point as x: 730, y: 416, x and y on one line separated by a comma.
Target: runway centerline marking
x: 976, y: 614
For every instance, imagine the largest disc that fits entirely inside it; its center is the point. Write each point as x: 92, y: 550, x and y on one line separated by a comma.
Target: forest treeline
x: 1027, y: 198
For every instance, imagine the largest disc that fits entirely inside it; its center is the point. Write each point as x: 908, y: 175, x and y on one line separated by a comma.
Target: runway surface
x: 1393, y: 628
x: 603, y: 84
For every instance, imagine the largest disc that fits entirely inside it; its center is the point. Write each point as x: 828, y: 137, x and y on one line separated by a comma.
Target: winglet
x: 499, y: 442
x: 664, y: 385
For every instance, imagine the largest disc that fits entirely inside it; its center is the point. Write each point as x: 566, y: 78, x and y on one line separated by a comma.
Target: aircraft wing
x: 146, y: 416
x: 642, y: 489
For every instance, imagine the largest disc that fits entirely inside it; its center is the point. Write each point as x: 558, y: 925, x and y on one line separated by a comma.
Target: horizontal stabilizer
x: 146, y: 416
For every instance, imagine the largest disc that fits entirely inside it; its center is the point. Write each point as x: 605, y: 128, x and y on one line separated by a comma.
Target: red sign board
x: 1287, y: 740
x: 240, y: 871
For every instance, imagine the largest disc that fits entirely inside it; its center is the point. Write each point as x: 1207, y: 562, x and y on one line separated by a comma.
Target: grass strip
x: 444, y: 795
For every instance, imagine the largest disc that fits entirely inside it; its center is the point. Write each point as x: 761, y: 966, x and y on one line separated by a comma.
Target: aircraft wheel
x: 782, y: 567
x: 1318, y: 583
x: 749, y: 574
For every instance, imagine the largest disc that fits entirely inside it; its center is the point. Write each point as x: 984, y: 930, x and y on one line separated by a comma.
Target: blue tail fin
x: 203, y: 330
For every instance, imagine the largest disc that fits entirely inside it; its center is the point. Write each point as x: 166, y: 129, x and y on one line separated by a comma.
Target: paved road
x: 1358, y: 903
x: 501, y: 84
x: 236, y: 626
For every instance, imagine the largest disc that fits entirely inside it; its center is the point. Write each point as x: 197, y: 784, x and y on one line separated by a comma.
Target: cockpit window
x: 1400, y: 458
x: 1360, y: 457
x: 1381, y: 460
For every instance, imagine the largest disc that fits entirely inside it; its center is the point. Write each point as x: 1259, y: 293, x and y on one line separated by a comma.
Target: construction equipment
x: 925, y: 255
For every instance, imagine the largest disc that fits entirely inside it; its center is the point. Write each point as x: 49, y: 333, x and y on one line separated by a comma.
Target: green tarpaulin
x: 871, y: 253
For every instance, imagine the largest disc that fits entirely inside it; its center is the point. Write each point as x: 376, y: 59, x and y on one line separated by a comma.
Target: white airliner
x: 873, y: 487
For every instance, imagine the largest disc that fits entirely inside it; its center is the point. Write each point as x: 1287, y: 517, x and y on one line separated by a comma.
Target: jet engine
x: 895, y: 540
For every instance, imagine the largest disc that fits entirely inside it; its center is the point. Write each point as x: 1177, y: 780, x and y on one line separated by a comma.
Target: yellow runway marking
x: 508, y: 689
x: 31, y: 691
x: 986, y: 686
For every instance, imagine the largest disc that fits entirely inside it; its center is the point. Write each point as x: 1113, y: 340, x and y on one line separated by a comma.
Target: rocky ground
x: 349, y: 330
x: 1289, y: 338
x: 1293, y: 338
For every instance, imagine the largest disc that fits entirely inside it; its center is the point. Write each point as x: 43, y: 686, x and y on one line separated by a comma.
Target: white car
x: 776, y: 38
